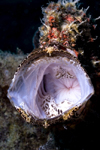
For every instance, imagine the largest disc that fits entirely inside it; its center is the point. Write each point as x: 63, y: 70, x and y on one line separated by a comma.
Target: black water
x: 20, y: 19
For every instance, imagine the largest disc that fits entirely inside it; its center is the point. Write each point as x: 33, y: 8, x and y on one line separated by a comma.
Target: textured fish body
x: 51, y: 85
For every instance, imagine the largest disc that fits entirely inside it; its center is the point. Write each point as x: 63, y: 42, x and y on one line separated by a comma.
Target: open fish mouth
x: 47, y: 87
x: 51, y: 85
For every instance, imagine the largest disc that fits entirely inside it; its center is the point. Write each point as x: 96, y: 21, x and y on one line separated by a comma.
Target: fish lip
x: 59, y: 118
x: 34, y: 56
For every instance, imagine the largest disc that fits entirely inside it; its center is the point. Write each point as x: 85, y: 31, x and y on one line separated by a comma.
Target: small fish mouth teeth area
x: 58, y: 91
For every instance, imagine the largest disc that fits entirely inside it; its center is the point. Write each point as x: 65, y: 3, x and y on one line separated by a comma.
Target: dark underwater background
x: 19, y: 20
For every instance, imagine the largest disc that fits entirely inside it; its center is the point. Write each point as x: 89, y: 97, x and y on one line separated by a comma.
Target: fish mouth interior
x: 58, y: 91
x: 49, y: 87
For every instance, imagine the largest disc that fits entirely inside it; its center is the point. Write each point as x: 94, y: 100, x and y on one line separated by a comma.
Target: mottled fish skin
x: 50, y: 85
